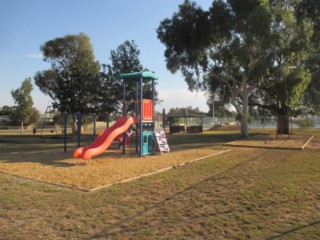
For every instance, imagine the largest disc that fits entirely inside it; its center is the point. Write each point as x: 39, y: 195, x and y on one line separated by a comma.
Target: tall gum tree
x: 73, y: 79
x: 226, y: 46
x: 238, y: 49
x: 288, y: 78
x: 310, y: 10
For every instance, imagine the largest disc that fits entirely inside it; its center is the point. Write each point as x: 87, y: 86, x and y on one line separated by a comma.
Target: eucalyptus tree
x: 288, y: 77
x: 73, y: 79
x: 240, y: 50
x: 310, y: 10
x: 224, y: 48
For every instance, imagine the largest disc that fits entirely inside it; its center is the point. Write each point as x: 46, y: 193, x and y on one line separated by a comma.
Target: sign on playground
x: 162, y: 141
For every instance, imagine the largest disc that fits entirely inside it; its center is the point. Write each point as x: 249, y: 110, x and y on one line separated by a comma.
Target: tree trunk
x: 22, y: 126
x: 244, y: 114
x: 283, y: 126
x: 244, y: 126
x: 75, y: 126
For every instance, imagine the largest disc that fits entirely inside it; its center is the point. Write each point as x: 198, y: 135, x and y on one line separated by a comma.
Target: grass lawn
x: 247, y: 193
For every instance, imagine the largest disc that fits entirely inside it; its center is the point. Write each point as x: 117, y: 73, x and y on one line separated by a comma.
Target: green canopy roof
x: 147, y: 75
x: 186, y: 113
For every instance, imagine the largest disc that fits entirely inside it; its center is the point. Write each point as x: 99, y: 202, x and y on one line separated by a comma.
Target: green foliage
x: 6, y: 110
x: 124, y: 59
x: 309, y: 9
x: 22, y: 97
x: 35, y: 116
x: 222, y: 49
x: 220, y: 110
x: 57, y: 118
x: 305, y: 123
x: 73, y: 79
x: 286, y: 82
x: 240, y: 49
x: 250, y: 118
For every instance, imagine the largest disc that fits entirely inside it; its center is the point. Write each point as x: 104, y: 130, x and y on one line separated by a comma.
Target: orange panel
x: 147, y: 114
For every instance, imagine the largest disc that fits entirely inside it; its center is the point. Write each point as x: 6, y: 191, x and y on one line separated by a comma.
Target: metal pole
x: 65, y: 131
x: 141, y: 113
x: 164, y: 119
x: 213, y: 120
x: 94, y: 126
x: 137, y: 114
x: 124, y: 114
x: 153, y: 117
x: 123, y: 97
x: 79, y: 128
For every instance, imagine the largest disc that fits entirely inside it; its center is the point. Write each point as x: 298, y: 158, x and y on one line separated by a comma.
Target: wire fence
x: 206, y: 123
x: 262, y: 122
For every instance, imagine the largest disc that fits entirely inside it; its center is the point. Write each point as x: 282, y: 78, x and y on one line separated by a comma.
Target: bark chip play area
x: 56, y: 167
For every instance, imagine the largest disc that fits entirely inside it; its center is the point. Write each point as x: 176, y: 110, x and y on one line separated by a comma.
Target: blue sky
x: 27, y: 24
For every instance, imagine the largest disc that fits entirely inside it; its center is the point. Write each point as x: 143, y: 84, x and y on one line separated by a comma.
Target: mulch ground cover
x: 59, y: 168
x: 54, y: 166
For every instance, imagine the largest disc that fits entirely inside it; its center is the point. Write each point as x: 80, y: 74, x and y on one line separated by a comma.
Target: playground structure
x: 46, y: 122
x: 79, y: 125
x: 142, y: 116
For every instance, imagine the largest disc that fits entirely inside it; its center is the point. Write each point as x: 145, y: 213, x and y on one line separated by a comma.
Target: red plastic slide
x: 104, y: 139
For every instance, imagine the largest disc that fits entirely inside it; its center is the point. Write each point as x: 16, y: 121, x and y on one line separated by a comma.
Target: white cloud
x: 181, y: 98
x: 35, y: 55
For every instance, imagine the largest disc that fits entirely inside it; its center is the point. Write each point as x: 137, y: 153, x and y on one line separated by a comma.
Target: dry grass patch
x: 247, y: 193
x: 294, y: 142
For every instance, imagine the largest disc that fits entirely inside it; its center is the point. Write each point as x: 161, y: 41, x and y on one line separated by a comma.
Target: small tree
x: 23, y: 100
x: 305, y: 123
x: 35, y: 116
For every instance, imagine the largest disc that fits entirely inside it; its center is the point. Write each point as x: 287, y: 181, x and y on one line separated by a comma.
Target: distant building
x: 4, y: 119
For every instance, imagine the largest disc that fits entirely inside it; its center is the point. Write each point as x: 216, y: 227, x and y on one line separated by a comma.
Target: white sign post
x: 162, y: 141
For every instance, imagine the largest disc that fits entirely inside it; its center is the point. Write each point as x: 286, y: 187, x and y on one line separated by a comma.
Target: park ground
x: 243, y: 193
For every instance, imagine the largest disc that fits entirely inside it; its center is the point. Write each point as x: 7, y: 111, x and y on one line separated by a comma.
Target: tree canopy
x: 125, y: 59
x: 226, y: 45
x: 239, y: 48
x: 288, y: 76
x: 23, y: 100
x: 310, y: 9
x: 73, y: 80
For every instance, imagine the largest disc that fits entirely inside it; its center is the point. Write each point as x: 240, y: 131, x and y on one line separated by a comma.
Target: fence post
x: 94, y: 126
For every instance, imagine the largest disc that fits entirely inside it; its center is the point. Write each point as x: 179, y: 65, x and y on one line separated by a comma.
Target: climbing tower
x: 144, y: 110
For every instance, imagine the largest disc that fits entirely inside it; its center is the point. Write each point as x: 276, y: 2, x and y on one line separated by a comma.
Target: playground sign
x: 162, y: 141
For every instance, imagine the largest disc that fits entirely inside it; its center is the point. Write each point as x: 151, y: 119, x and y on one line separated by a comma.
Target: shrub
x: 305, y: 123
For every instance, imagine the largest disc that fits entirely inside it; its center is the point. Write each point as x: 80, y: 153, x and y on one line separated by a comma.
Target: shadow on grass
x: 280, y: 236
x: 35, y: 149
x: 194, y: 141
x: 50, y: 150
x: 45, y: 157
